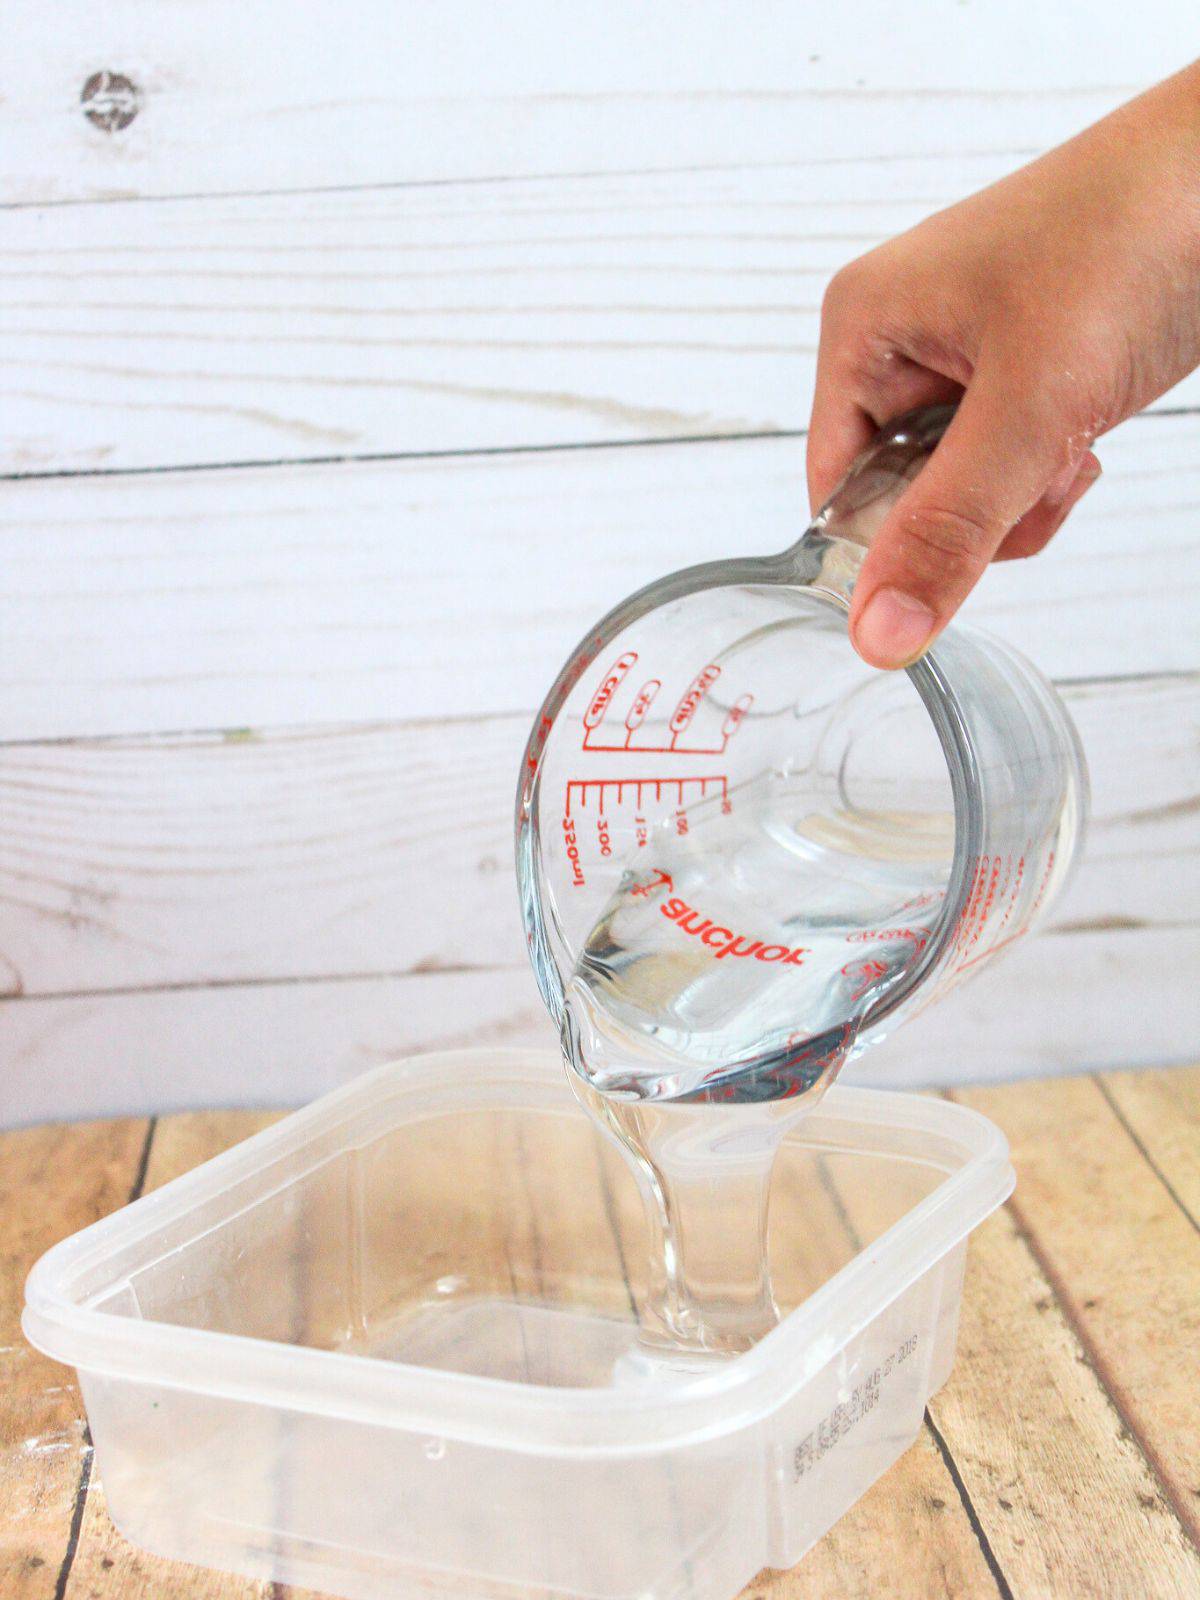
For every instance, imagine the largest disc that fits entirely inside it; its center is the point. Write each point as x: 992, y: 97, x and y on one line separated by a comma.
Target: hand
x: 1056, y: 303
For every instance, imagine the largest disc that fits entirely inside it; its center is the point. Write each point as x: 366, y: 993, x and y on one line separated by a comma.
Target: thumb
x: 1004, y: 448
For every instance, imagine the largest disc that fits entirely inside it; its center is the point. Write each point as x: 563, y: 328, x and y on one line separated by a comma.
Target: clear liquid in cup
x: 737, y: 961
x: 715, y: 999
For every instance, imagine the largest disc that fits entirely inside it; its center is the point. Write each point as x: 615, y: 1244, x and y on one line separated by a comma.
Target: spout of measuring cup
x: 830, y: 553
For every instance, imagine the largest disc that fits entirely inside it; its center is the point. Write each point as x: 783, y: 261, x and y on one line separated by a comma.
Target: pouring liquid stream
x: 715, y: 999
x: 744, y: 856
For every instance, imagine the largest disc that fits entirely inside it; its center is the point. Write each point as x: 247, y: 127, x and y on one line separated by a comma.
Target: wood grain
x: 215, y: 858
x: 1024, y: 1416
x: 104, y: 1561
x: 340, y: 851
x: 1083, y: 1178
x: 428, y: 589
x: 240, y: 104
x: 1067, y: 1500
x: 496, y: 232
x: 1035, y: 1481
x: 248, y: 1044
x: 1161, y: 1113
x: 285, y: 1041
x: 908, y: 1537
x: 54, y: 1179
x: 442, y: 319
x: 912, y: 1533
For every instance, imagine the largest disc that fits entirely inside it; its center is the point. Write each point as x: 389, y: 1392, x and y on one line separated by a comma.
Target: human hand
x: 1056, y: 303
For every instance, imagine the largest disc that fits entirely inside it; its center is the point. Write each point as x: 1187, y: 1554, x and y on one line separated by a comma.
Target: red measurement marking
x: 595, y: 793
x: 1014, y: 894
x: 736, y: 715
x: 685, y: 711
x: 988, y: 892
x: 1006, y: 894
x: 862, y: 974
x: 1043, y: 886
x: 983, y: 955
x: 603, y: 696
x: 571, y: 845
x: 989, y: 877
x: 641, y: 704
x: 916, y: 936
x: 687, y: 707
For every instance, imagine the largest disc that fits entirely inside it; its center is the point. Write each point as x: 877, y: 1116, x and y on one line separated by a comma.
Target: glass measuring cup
x: 743, y: 855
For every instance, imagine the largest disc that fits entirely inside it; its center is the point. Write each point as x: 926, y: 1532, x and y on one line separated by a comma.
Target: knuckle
x: 949, y: 545
x: 849, y: 287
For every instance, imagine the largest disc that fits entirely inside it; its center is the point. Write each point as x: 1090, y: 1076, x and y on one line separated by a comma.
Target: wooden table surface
x: 1061, y: 1460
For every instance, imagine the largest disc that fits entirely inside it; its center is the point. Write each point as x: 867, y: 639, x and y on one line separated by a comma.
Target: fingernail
x: 893, y: 629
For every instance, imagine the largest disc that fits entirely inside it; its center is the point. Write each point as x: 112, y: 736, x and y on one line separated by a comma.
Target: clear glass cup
x: 743, y: 855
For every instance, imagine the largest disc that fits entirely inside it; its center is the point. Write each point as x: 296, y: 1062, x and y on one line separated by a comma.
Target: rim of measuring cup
x: 797, y: 568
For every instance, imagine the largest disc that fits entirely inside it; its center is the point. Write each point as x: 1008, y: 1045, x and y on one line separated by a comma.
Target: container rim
x: 529, y: 1418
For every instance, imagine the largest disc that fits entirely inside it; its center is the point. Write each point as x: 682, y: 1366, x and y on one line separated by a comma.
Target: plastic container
x: 383, y: 1349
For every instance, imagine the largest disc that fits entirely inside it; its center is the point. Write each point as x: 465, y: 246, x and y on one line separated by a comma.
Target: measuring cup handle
x: 831, y: 552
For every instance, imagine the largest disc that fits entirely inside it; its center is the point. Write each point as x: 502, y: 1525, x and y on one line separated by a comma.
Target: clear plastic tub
x: 379, y: 1350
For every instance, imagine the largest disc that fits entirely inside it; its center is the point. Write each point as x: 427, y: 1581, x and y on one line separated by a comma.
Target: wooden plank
x: 1023, y: 1410
x: 425, y: 589
x: 187, y: 1138
x: 326, y: 852
x: 53, y: 1180
x: 248, y: 1045
x: 910, y: 1534
x: 103, y: 1561
x: 137, y: 863
x: 1041, y: 1455
x: 1095, y: 1213
x: 1059, y: 1003
x: 547, y: 312
x: 1161, y: 1112
x: 242, y: 104
x: 1063, y: 1494
x: 284, y: 1042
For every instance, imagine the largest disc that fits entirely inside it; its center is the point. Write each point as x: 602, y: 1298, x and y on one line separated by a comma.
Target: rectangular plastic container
x: 377, y: 1350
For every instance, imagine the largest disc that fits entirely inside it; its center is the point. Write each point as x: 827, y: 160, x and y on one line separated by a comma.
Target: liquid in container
x: 377, y: 1350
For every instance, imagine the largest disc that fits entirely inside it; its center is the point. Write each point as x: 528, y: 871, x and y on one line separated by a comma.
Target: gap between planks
x: 1101, y: 1367
x: 382, y: 457
x: 1076, y: 1310
x: 487, y: 180
x: 790, y: 1584
x: 85, y: 1471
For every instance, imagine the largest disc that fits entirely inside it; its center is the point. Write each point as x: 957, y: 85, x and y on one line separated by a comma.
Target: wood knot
x: 110, y: 101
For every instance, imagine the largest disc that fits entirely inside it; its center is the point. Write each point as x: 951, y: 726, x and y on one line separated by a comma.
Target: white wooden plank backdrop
x: 457, y: 317
x: 259, y: 98
x: 352, y: 378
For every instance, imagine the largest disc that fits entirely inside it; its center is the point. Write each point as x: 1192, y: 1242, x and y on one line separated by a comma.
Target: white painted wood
x: 456, y: 317
x: 252, y: 98
x: 138, y: 863
x: 336, y: 851
x: 1048, y: 1008
x: 551, y: 228
x: 252, y: 1045
x: 1057, y: 1004
x: 456, y: 587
